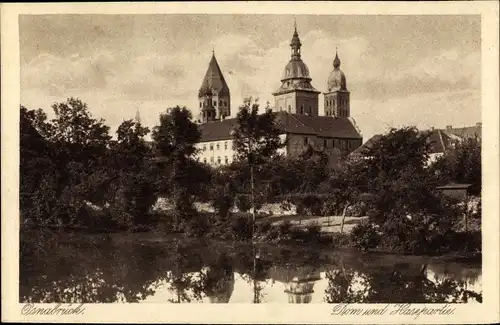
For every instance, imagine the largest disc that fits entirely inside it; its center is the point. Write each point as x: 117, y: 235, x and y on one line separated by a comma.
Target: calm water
x: 142, y: 268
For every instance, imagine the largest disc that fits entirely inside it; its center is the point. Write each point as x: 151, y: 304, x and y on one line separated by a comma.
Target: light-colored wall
x: 211, y: 156
x: 296, y: 144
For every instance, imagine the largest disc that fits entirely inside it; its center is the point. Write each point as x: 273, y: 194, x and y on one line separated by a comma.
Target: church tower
x: 296, y: 94
x: 337, y: 102
x: 214, y: 97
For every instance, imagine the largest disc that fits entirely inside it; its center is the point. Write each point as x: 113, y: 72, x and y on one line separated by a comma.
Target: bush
x: 243, y: 203
x: 340, y: 240
x: 365, y: 236
x: 242, y: 227
x: 196, y: 226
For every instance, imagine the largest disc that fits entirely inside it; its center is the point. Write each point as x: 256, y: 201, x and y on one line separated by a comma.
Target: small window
x: 211, y: 160
x: 200, y: 104
x: 217, y: 146
x: 325, y: 143
x: 333, y: 143
x: 218, y: 160
x: 215, y: 103
x: 220, y: 102
x: 301, y: 110
x: 289, y: 109
x: 204, y: 160
x: 212, y: 146
x: 310, y: 110
x: 225, y: 145
x: 226, y: 161
x: 306, y: 141
x: 204, y: 147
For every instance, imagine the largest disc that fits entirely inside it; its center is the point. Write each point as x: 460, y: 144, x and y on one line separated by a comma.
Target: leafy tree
x: 132, y: 187
x: 80, y: 137
x: 461, y: 164
x: 256, y: 136
x: 255, y: 139
x: 180, y: 175
x: 404, y: 202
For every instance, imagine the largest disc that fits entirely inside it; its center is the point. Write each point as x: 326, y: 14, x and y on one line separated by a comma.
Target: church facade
x: 296, y: 104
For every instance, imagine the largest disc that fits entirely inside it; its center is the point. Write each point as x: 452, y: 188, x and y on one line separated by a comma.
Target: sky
x: 401, y: 70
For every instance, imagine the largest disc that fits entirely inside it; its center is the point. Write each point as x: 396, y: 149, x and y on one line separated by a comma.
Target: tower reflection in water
x: 299, y: 282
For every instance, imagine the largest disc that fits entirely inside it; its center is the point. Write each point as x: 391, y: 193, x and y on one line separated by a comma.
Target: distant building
x: 297, y: 115
x: 456, y: 191
x: 441, y: 140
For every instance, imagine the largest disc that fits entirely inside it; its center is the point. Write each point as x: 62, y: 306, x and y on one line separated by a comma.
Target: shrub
x: 196, y: 226
x: 365, y: 236
x: 242, y: 203
x: 242, y: 227
x: 340, y: 240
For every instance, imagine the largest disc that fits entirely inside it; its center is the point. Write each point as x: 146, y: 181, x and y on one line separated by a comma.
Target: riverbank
x: 338, y: 243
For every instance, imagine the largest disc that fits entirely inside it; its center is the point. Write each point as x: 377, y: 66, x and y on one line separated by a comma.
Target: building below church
x: 297, y: 113
x: 441, y: 140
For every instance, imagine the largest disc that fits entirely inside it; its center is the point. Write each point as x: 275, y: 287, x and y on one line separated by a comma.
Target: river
x: 148, y: 268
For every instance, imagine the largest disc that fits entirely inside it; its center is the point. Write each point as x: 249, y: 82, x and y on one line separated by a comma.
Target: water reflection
x: 103, y: 269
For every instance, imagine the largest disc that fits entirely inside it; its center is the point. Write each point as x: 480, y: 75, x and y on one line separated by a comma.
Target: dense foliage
x: 75, y: 174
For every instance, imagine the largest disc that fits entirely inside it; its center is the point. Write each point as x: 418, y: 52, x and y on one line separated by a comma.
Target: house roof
x: 465, y: 132
x: 440, y: 139
x: 322, y: 126
x: 454, y: 186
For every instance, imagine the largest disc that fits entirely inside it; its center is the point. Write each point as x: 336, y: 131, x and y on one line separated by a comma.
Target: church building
x: 296, y: 104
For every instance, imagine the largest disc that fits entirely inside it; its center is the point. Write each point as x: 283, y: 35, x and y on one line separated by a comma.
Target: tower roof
x: 336, y: 79
x: 214, y: 81
x: 296, y: 73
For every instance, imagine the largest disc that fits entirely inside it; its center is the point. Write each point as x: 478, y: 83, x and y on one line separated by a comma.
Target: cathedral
x: 296, y: 104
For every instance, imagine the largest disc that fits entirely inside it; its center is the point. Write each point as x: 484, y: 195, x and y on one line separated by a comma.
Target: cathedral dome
x: 336, y: 79
x: 295, y: 69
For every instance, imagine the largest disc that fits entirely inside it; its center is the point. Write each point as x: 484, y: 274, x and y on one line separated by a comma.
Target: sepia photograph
x: 251, y: 158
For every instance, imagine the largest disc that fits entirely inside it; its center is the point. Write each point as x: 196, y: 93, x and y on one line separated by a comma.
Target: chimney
x: 449, y: 127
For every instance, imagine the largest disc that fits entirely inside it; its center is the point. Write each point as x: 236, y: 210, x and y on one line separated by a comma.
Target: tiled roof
x: 214, y: 82
x: 440, y: 139
x: 465, y: 132
x: 322, y: 126
x: 367, y: 145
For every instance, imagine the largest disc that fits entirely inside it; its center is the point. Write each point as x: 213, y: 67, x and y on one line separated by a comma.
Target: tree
x: 133, y: 190
x: 405, y: 205
x: 256, y: 139
x: 256, y: 136
x: 81, y: 137
x: 461, y: 164
x: 74, y: 147
x: 174, y: 144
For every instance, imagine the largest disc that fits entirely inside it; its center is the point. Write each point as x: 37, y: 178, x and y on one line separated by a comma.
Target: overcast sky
x: 401, y: 70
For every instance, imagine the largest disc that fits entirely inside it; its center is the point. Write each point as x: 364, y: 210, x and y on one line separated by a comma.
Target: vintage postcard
x: 220, y: 162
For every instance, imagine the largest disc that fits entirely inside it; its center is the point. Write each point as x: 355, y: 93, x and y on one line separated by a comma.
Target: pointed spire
x: 137, y: 117
x: 214, y: 82
x: 295, y: 43
x: 336, y: 61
